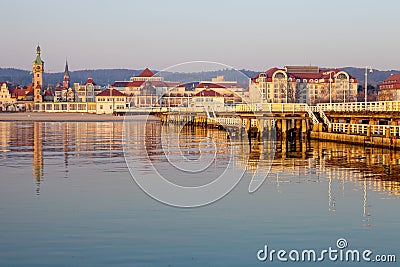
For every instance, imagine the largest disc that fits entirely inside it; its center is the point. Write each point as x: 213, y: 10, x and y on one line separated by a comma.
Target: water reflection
x: 368, y: 169
x: 37, y: 154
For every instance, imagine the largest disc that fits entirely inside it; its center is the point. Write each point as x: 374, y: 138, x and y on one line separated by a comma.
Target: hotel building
x: 389, y: 89
x: 303, y: 84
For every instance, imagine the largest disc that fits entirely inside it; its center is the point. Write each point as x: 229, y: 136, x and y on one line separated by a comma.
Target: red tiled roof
x: 307, y: 76
x: 271, y: 71
x: 127, y: 84
x: 391, y: 82
x: 89, y: 80
x: 207, y: 92
x: 19, y: 92
x: 146, y: 73
x: 110, y: 92
x: 394, y: 78
x: 48, y: 92
x: 29, y: 93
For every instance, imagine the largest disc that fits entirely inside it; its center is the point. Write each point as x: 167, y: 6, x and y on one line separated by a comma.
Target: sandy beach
x: 65, y: 117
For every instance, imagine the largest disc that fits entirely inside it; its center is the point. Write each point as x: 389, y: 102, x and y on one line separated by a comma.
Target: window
x: 101, y: 106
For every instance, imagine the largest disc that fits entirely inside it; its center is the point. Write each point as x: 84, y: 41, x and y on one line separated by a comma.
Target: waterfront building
x: 220, y: 85
x: 207, y: 98
x: 176, y: 97
x: 303, y: 84
x: 145, y: 89
x: 110, y: 101
x: 5, y: 97
x: 231, y: 91
x: 389, y: 89
x: 37, y: 81
x: 87, y: 91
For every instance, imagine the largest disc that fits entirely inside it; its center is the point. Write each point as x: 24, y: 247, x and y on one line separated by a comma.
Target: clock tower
x: 37, y: 81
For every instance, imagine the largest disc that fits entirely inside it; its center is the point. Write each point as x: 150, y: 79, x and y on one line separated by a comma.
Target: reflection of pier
x: 348, y: 163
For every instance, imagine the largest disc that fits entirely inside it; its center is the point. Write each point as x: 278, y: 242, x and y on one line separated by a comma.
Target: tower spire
x: 66, y: 75
x: 66, y: 71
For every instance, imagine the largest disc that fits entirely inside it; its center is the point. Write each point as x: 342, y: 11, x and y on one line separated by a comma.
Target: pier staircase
x: 311, y: 114
x: 323, y: 116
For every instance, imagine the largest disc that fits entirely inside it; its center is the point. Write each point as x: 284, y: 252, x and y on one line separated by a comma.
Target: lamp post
x: 366, y: 85
x: 344, y: 92
x: 330, y: 87
x: 287, y: 92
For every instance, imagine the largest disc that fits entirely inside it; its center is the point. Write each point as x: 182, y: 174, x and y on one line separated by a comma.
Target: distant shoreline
x: 69, y: 117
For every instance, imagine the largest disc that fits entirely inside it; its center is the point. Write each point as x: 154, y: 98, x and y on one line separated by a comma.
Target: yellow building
x: 110, y: 101
x: 5, y: 97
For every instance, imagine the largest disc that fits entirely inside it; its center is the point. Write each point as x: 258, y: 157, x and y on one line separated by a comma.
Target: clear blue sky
x: 244, y: 34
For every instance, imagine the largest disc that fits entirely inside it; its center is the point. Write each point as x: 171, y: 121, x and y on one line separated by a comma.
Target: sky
x: 247, y: 34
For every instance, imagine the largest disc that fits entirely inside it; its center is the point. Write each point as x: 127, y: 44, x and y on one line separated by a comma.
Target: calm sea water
x: 67, y: 199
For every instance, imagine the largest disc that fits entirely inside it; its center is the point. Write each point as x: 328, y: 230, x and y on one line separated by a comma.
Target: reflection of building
x: 37, y: 152
x: 87, y: 91
x: 110, y: 101
x: 303, y: 84
x: 5, y: 136
x: 389, y: 89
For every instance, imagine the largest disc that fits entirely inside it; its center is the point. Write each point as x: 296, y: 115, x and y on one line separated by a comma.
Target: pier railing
x: 360, y: 106
x: 362, y: 129
x: 272, y: 107
x: 239, y: 108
